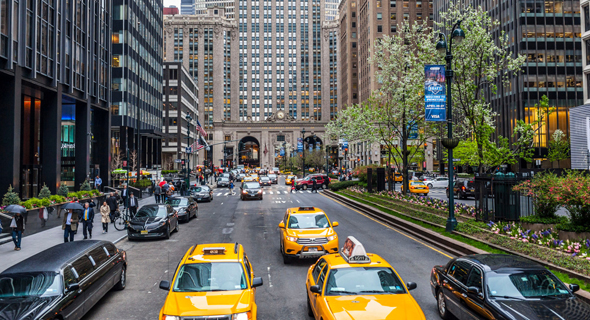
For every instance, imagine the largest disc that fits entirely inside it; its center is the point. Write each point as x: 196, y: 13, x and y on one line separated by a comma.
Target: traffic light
x: 345, y: 149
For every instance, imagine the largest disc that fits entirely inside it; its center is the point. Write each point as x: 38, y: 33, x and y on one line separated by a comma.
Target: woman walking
x: 105, y: 210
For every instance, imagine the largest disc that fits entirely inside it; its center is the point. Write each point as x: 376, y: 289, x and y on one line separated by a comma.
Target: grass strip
x: 562, y: 276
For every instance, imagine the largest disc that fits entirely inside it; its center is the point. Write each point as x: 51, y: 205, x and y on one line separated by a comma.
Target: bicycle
x: 121, y: 220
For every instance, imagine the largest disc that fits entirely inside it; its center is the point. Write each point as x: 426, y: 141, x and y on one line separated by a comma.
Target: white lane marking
x: 222, y: 203
x: 298, y: 201
x: 270, y: 192
x: 230, y: 224
x: 226, y: 194
x: 227, y: 230
x: 218, y: 195
x: 264, y: 192
x: 269, y: 280
x: 308, y: 191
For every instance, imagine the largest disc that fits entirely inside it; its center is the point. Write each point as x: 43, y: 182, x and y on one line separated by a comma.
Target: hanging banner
x: 282, y: 152
x: 318, y: 146
x: 344, y: 145
x: 299, y: 144
x: 434, y: 93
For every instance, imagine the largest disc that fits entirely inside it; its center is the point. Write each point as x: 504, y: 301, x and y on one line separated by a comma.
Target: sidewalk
x: 40, y: 241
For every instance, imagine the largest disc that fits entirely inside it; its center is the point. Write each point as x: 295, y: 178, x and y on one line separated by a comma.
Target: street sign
x: 456, y: 160
x: 177, y: 160
x: 189, y: 149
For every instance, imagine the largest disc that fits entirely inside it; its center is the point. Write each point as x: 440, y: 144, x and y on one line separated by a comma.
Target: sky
x: 168, y: 3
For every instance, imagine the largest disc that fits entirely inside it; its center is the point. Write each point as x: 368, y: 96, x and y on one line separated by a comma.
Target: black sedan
x: 265, y: 181
x: 251, y: 190
x: 499, y: 286
x: 273, y: 178
x: 202, y: 193
x: 185, y: 207
x: 153, y: 221
x: 223, y: 182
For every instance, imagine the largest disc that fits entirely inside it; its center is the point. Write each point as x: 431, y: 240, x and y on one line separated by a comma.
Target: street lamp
x: 188, y: 118
x: 303, y: 155
x: 450, y: 143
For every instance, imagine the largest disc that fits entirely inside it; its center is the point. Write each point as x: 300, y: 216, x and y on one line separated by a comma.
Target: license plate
x: 472, y: 190
x: 144, y: 232
x: 198, y: 199
x: 312, y: 250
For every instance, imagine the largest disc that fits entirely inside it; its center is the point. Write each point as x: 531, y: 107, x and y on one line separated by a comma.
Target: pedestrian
x: 164, y: 193
x: 132, y: 204
x: 292, y: 184
x: 113, y: 206
x: 157, y: 191
x: 98, y: 183
x: 70, y: 225
x: 43, y: 215
x: 231, y: 187
x: 87, y: 220
x: 105, y: 211
x: 314, y: 185
x: 124, y: 195
x: 18, y: 227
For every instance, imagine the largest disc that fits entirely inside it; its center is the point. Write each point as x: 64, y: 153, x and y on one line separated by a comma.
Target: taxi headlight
x: 165, y: 317
x: 294, y: 239
x: 242, y: 316
x: 330, y: 238
x: 260, y: 191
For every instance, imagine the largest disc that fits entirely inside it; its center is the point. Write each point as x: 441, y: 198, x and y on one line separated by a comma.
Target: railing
x: 496, y: 200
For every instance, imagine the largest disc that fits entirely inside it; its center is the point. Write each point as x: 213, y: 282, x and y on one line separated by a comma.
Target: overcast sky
x: 176, y: 3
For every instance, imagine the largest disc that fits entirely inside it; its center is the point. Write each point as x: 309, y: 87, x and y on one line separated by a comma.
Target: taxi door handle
x: 445, y: 281
x: 464, y: 295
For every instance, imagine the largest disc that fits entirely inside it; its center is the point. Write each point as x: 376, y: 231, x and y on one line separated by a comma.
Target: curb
x: 120, y: 239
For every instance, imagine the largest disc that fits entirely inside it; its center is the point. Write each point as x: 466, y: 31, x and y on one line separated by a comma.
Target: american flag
x: 200, y: 128
x: 196, y: 146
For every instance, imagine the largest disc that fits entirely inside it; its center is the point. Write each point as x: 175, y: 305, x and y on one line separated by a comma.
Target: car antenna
x: 194, y: 248
x: 236, y: 248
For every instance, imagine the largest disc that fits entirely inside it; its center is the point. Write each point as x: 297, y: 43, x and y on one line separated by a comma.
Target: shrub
x: 57, y: 199
x: 45, y: 202
x: 541, y: 190
x: 336, y: 186
x: 32, y: 203
x: 63, y: 190
x: 72, y: 195
x: 85, y: 186
x: 142, y: 184
x: 169, y: 171
x: 361, y: 173
x: 44, y: 193
x: 95, y: 192
x: 539, y: 219
x: 574, y: 194
x: 84, y: 194
x: 10, y: 197
x: 332, y: 176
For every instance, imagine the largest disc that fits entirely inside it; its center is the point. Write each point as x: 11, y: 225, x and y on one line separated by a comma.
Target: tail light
x: 463, y: 187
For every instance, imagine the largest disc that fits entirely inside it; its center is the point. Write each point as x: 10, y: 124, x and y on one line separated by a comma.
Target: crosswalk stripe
x: 308, y: 191
x: 226, y: 193
x: 264, y: 192
x: 270, y: 192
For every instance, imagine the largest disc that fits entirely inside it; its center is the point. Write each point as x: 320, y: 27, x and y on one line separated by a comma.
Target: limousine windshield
x: 21, y: 285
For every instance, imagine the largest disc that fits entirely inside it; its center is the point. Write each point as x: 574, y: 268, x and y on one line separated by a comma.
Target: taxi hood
x: 310, y: 233
x: 386, y: 306
x: 207, y: 303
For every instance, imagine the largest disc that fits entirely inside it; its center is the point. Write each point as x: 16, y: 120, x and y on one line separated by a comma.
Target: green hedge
x: 169, y: 171
x: 142, y: 184
x: 546, y: 220
x: 336, y: 186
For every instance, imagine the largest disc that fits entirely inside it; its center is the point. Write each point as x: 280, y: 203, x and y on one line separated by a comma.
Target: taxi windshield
x: 417, y: 183
x: 178, y: 202
x: 363, y: 280
x: 527, y: 284
x: 308, y: 221
x: 22, y: 285
x: 217, y: 276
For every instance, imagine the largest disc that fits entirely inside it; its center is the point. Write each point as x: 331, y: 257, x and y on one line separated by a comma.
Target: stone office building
x: 262, y: 77
x: 55, y: 80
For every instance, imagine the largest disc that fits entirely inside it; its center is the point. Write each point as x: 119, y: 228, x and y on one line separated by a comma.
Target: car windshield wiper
x: 373, y: 291
x: 552, y: 297
x: 508, y: 297
x: 343, y: 291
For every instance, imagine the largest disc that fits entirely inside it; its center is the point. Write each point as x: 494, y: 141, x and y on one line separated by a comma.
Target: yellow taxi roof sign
x: 306, y: 209
x: 213, y: 251
x: 353, y: 251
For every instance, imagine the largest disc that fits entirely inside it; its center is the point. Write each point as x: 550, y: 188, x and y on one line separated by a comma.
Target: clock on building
x: 281, y: 115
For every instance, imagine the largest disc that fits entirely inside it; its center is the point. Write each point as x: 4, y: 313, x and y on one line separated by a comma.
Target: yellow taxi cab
x: 306, y: 232
x: 358, y: 285
x: 249, y: 179
x: 212, y: 281
x: 289, y: 179
x: 417, y: 186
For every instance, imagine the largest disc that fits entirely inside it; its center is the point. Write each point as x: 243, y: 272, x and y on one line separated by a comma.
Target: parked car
x: 251, y: 190
x: 463, y: 188
x: 186, y: 207
x: 273, y: 178
x: 62, y: 282
x: 202, y: 193
x: 501, y: 286
x: 265, y: 181
x: 440, y: 182
x: 153, y: 221
x: 322, y: 181
x: 222, y: 182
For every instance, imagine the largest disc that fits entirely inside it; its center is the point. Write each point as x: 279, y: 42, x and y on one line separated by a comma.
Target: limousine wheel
x: 122, y: 281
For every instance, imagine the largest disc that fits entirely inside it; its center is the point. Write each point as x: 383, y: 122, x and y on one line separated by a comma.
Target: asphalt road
x: 254, y: 225
x: 441, y: 193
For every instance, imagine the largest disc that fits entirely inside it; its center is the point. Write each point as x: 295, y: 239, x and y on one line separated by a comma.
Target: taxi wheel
x: 443, y: 312
x: 286, y: 259
x: 309, y: 311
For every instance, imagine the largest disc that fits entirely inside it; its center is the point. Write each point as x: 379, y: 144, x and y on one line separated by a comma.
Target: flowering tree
x: 543, y: 191
x: 559, y: 147
x: 574, y: 193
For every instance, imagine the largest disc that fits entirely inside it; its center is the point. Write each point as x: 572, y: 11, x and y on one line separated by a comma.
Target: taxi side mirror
x: 335, y: 224
x: 73, y: 287
x: 282, y: 225
x: 574, y: 287
x: 165, y: 285
x: 256, y: 282
x: 315, y: 289
x: 411, y: 285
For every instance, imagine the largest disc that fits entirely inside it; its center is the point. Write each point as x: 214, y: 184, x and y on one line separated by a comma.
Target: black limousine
x: 62, y: 282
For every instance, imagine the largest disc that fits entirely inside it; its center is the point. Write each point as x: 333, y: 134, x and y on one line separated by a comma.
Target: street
x: 440, y: 193
x: 254, y: 225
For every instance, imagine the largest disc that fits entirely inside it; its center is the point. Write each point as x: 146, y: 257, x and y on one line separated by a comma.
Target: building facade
x: 180, y: 100
x: 187, y: 7
x: 136, y: 106
x: 348, y: 62
x: 229, y: 7
x: 54, y: 71
x: 548, y: 34
x: 331, y: 9
x: 262, y: 77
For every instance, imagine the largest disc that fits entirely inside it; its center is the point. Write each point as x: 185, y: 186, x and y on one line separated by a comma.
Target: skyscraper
x: 331, y: 9
x: 187, y: 7
x: 228, y: 5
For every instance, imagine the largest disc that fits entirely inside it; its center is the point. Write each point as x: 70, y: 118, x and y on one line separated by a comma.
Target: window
x: 406, y: 16
x: 69, y: 277
x: 322, y: 277
x: 280, y: 138
x: 354, y: 44
x: 173, y: 74
x: 354, y: 13
x: 83, y: 267
x: 418, y: 4
x: 392, y: 3
x: 393, y: 16
x: 379, y: 29
x: 379, y: 16
x: 459, y: 270
x: 354, y: 24
x: 316, y: 270
x: 248, y: 269
x: 378, y: 3
x: 393, y: 29
x: 99, y: 255
x: 474, y: 279
x: 406, y: 4
x: 354, y: 35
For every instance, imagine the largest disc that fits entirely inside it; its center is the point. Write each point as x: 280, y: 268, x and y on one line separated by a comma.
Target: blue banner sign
x: 434, y: 93
x: 299, y: 144
x: 318, y: 146
x: 282, y: 152
x: 344, y: 145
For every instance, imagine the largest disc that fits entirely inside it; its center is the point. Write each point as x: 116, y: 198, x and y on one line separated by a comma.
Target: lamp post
x: 450, y: 143
x: 303, y: 155
x: 188, y: 118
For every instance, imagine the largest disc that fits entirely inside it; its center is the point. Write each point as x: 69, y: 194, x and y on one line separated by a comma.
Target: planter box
x: 35, y: 224
x: 537, y: 226
x: 575, y: 236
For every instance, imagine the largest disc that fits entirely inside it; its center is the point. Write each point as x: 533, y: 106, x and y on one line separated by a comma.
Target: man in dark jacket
x: 18, y: 227
x: 113, y: 204
x: 87, y: 220
x: 124, y: 195
x: 314, y: 186
x: 157, y: 191
x: 132, y: 204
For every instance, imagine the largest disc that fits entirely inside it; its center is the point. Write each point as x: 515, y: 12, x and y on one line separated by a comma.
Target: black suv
x: 62, y: 282
x: 463, y: 188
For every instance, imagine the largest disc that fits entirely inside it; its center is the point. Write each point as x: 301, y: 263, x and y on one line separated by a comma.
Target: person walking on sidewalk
x: 18, y: 227
x: 105, y: 211
x: 113, y: 205
x: 70, y: 225
x: 87, y: 220
x: 132, y: 205
x: 157, y: 191
x: 124, y: 195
